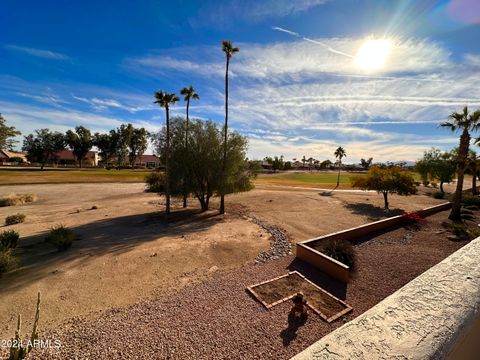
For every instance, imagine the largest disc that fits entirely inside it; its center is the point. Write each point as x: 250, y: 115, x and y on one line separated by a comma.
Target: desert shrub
x: 17, y: 199
x: 342, y: 251
x: 425, y: 183
x: 417, y: 183
x: 15, y: 219
x: 470, y: 200
x: 8, y: 240
x: 155, y: 182
x: 438, y: 195
x: 61, y: 237
x: 8, y: 261
x: 434, y: 185
x: 464, y: 232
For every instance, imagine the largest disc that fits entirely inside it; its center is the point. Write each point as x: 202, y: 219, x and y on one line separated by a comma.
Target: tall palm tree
x: 164, y: 100
x: 188, y: 94
x: 340, y: 153
x: 465, y: 123
x: 229, y: 50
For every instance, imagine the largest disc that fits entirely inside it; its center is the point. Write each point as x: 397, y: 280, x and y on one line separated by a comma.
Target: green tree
x: 389, y: 180
x: 339, y: 153
x: 7, y: 134
x: 188, y: 94
x: 229, y: 50
x: 164, y: 99
x: 80, y: 142
x: 138, y: 144
x: 42, y: 146
x: 304, y: 160
x: 366, y: 163
x: 325, y: 164
x: 204, y: 164
x: 123, y: 135
x: 107, y: 144
x: 423, y: 168
x: 472, y: 165
x: 443, y: 168
x: 464, y: 123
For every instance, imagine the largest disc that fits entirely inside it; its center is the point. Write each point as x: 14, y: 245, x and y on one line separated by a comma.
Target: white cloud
x: 223, y: 13
x: 41, y: 53
x: 104, y: 104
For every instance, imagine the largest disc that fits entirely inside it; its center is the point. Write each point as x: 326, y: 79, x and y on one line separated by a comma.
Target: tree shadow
x: 319, y: 278
x: 107, y: 236
x: 290, y: 332
x: 371, y: 211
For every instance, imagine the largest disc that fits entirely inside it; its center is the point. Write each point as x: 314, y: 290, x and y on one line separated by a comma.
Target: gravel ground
x: 218, y: 319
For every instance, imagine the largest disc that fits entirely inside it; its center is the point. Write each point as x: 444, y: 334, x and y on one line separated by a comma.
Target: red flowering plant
x: 413, y: 217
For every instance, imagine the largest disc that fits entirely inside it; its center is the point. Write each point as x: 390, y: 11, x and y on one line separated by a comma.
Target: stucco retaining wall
x: 336, y: 269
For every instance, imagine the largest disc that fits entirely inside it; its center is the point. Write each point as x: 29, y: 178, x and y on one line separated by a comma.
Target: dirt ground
x: 218, y: 319
x: 126, y: 252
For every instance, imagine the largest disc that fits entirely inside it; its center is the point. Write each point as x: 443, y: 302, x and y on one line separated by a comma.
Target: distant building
x: 148, y: 161
x: 66, y: 157
x: 12, y: 157
x: 151, y: 161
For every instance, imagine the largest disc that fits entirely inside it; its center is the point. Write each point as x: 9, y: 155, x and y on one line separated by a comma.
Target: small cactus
x: 17, y: 351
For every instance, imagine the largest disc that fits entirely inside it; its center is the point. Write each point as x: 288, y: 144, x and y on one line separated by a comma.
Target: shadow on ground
x: 334, y: 287
x: 290, y: 332
x: 371, y: 211
x: 107, y: 236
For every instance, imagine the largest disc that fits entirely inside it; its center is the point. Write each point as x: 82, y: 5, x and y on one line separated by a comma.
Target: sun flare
x: 373, y: 54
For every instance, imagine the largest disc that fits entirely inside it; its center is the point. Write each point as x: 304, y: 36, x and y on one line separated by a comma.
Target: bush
x: 342, y: 251
x: 438, y: 195
x: 8, y: 261
x: 8, y: 240
x: 425, y: 183
x: 412, y: 217
x: 434, y: 185
x: 155, y: 182
x: 470, y: 200
x: 17, y: 199
x: 61, y: 237
x: 14, y: 219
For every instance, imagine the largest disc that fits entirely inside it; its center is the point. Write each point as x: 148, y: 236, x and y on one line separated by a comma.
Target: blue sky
x: 296, y: 85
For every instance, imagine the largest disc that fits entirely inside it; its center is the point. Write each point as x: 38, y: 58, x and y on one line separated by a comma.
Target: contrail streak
x: 293, y: 33
x: 328, y: 47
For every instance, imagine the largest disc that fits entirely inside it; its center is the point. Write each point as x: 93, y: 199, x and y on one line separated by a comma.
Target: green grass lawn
x: 58, y: 176
x: 309, y: 179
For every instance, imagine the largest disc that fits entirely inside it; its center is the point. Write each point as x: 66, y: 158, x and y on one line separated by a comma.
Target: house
x: 66, y: 157
x: 149, y: 161
x: 7, y: 157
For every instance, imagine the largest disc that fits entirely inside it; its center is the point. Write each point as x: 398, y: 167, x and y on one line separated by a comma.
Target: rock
x: 213, y: 269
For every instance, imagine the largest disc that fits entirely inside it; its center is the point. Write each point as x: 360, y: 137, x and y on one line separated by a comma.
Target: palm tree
x: 229, y: 50
x: 188, y: 94
x: 339, y: 154
x: 465, y: 123
x: 164, y: 100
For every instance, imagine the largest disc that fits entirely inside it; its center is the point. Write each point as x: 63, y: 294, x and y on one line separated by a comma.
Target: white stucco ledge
x: 429, y: 318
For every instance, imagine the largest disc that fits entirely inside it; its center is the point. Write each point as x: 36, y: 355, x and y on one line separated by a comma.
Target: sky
x: 300, y: 84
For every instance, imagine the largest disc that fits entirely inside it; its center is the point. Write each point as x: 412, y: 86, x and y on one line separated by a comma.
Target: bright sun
x: 373, y: 54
